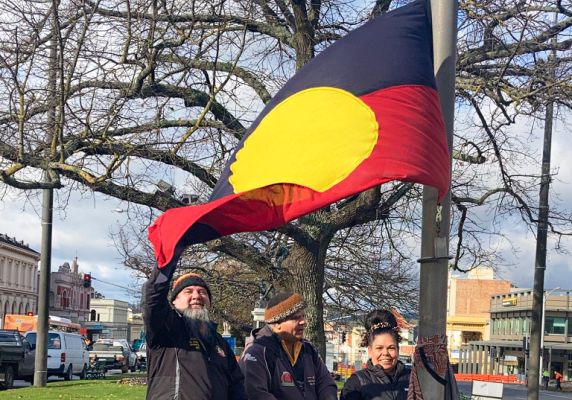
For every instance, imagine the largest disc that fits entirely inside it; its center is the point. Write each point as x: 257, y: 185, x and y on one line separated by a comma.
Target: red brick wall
x: 473, y: 296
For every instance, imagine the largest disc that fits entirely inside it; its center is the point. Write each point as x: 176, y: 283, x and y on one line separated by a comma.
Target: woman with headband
x: 385, y: 377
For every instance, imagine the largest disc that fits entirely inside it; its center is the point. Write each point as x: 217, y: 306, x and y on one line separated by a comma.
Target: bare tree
x: 154, y: 91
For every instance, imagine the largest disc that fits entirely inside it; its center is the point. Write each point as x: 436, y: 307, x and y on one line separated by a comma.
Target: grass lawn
x: 108, y: 388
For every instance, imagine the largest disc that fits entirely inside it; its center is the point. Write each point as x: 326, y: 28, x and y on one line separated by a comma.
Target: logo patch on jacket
x: 311, y: 380
x: 249, y: 357
x: 286, y: 379
x: 194, y: 344
x: 220, y: 351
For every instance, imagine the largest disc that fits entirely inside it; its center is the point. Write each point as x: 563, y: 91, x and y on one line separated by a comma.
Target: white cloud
x: 83, y: 230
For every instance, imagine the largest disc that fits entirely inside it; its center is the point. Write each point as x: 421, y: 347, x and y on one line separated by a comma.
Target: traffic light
x: 343, y: 337
x: 29, y: 313
x: 86, y: 280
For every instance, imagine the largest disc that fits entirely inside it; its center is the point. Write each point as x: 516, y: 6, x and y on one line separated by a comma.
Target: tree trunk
x: 306, y: 263
x: 304, y: 35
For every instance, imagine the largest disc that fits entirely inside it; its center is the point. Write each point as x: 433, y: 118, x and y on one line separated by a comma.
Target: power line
x: 116, y: 285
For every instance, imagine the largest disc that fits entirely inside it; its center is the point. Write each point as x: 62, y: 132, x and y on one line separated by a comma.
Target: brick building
x: 468, y: 308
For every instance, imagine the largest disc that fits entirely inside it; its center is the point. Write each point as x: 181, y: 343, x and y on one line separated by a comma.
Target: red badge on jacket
x: 286, y: 379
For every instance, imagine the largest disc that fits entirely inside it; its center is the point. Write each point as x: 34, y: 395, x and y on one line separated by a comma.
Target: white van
x: 67, y: 355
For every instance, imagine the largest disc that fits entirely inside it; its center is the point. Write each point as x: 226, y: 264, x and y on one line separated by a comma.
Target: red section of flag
x: 411, y: 147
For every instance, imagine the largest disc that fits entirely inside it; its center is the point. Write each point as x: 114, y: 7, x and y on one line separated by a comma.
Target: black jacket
x: 269, y: 375
x: 373, y: 383
x: 180, y: 366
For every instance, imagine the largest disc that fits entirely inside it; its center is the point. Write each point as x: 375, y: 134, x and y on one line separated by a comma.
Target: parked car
x: 142, y: 356
x: 112, y: 357
x: 67, y: 355
x: 128, y: 352
x: 17, y: 358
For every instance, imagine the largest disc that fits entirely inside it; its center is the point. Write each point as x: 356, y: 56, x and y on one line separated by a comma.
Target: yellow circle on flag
x: 314, y: 138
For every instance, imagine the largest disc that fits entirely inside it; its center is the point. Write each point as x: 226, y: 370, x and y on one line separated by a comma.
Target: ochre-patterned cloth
x: 435, y: 349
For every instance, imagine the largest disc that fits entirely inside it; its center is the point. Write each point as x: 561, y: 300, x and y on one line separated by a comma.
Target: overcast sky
x: 84, y: 230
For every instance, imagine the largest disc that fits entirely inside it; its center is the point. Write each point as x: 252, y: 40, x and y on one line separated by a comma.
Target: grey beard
x: 197, y: 322
x: 200, y: 314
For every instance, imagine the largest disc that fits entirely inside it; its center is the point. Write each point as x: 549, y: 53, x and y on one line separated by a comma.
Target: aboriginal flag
x: 364, y: 112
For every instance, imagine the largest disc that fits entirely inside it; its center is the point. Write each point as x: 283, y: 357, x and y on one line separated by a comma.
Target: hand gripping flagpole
x: 436, y: 219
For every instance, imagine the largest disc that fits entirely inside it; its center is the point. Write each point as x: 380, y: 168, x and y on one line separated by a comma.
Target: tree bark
x: 306, y: 263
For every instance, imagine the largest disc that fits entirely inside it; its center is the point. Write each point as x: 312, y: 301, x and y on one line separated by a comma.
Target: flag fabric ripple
x: 363, y: 112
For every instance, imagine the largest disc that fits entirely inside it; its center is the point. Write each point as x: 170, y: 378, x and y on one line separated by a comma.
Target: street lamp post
x: 546, y: 294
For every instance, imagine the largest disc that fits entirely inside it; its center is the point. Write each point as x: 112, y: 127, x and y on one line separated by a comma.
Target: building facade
x: 511, y: 315
x: 18, y: 277
x: 468, y: 308
x: 108, y: 319
x: 136, y: 327
x: 68, y: 297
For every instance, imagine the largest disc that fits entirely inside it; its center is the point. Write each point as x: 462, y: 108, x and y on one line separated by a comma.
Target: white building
x: 18, y: 277
x: 108, y: 319
x: 136, y: 326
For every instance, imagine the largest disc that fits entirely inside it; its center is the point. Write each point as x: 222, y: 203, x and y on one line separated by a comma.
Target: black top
x: 373, y: 383
x: 180, y: 364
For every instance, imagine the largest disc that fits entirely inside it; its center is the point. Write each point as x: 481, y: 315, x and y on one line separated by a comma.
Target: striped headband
x: 284, y: 309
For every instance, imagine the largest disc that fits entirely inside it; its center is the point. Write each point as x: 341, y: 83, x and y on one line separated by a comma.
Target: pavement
x: 519, y: 392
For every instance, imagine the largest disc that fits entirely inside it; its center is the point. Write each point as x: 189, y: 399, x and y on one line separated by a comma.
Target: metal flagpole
x: 435, y: 224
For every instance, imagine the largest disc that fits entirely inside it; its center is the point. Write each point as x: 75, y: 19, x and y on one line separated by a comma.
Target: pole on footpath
x: 537, y: 323
x: 435, y: 222
x: 41, y: 362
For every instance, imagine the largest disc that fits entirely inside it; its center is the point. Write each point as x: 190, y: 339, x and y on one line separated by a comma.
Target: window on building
x: 554, y: 325
x: 570, y: 332
x: 525, y: 324
x: 65, y: 300
x: 92, y: 315
x: 516, y: 326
